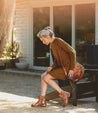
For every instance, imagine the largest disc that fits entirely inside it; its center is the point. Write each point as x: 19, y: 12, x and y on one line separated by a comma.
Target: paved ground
x: 17, y: 92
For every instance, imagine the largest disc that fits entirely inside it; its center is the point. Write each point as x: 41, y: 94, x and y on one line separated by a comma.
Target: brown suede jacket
x: 67, y: 54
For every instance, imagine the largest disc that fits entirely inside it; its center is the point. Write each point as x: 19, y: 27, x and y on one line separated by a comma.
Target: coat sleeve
x: 67, y: 48
x: 54, y: 65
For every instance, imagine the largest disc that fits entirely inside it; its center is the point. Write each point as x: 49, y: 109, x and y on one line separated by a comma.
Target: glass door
x: 62, y: 19
x: 85, y: 29
x: 41, y: 52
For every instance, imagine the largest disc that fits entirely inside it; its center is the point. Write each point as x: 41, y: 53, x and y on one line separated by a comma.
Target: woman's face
x: 45, y: 41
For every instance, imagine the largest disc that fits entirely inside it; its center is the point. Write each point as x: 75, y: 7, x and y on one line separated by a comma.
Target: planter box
x: 22, y: 65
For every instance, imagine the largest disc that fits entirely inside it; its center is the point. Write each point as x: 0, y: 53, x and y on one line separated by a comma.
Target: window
x: 41, y: 51
x: 63, y: 22
x: 85, y: 29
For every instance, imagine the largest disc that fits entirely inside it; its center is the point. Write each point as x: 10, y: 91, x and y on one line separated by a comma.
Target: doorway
x: 41, y: 19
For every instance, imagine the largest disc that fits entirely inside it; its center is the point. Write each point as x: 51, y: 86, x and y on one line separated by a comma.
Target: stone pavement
x: 18, y: 92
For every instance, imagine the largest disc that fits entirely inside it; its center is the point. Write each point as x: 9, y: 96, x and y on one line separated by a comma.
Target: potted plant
x: 13, y: 54
x: 10, y: 54
x: 22, y: 64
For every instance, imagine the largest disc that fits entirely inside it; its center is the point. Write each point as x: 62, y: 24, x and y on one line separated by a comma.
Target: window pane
x: 85, y: 29
x: 41, y: 51
x: 62, y: 22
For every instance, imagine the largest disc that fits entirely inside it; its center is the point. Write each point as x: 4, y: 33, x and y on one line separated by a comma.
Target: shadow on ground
x: 17, y: 93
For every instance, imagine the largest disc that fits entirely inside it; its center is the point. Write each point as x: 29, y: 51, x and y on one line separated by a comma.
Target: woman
x: 68, y: 57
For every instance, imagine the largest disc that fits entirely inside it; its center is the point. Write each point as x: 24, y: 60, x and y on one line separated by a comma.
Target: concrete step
x: 22, y: 72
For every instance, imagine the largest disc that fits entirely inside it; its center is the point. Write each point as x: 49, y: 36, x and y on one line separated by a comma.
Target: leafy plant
x: 11, y: 50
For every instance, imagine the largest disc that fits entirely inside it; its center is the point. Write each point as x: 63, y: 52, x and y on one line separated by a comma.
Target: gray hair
x: 45, y: 33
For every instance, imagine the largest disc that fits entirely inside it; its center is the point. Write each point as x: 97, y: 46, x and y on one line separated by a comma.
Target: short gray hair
x: 45, y: 33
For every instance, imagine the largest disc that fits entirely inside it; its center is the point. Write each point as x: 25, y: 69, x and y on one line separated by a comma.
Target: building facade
x: 76, y: 21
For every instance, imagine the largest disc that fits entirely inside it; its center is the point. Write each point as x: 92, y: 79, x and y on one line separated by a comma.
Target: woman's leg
x: 42, y: 100
x: 63, y: 94
x: 43, y: 84
x: 49, y: 79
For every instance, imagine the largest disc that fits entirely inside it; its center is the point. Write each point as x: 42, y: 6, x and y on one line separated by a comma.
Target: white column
x: 73, y: 26
x: 51, y: 24
x: 96, y: 23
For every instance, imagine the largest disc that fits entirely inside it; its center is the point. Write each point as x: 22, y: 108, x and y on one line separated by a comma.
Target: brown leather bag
x: 78, y: 70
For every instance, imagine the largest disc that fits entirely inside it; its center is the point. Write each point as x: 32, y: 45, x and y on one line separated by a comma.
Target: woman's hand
x: 49, y: 69
x: 70, y: 74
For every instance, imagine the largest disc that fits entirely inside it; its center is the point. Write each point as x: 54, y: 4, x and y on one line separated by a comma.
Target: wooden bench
x: 81, y: 89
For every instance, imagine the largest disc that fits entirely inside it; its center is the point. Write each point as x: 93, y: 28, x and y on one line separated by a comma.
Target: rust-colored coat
x: 68, y: 57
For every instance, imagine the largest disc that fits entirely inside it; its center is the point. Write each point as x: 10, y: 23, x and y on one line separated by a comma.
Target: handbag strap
x: 61, y: 60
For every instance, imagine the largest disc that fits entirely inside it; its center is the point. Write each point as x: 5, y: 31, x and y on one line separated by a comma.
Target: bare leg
x: 45, y: 80
x: 42, y: 100
x: 49, y: 79
x: 63, y: 94
x: 43, y: 84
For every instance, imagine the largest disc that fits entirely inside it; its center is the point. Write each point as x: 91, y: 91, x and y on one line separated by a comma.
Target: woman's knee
x: 43, y: 75
x: 47, y: 78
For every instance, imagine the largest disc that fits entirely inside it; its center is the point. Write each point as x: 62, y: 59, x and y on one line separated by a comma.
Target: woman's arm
x: 67, y: 48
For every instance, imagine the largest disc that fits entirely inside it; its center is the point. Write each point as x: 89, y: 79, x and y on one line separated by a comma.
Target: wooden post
x: 96, y: 87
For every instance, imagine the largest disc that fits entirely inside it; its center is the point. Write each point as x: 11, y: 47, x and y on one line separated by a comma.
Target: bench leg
x: 96, y: 88
x: 74, y: 93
